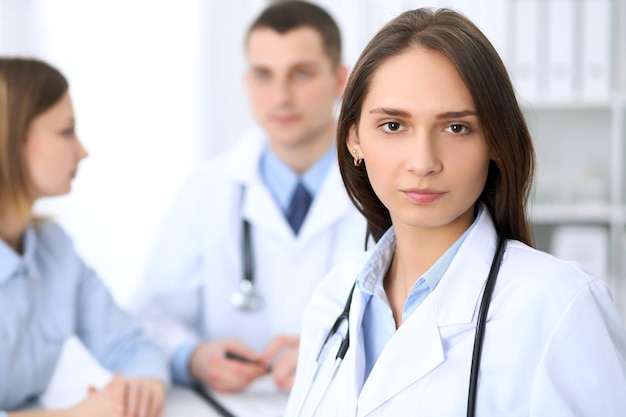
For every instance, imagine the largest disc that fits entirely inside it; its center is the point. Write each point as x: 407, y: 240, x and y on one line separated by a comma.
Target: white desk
x: 181, y: 402
x: 77, y: 369
x: 261, y: 399
x: 186, y: 403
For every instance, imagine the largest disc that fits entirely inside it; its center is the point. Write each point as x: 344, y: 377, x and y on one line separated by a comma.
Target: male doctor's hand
x: 282, y: 354
x: 211, y: 365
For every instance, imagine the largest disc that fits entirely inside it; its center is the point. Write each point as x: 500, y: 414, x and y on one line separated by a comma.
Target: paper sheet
x: 261, y: 399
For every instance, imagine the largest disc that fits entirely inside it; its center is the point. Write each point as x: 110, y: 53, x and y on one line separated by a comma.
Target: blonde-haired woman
x: 47, y: 293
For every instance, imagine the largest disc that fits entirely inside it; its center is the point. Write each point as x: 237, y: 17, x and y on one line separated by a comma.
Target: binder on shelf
x: 561, y: 46
x: 585, y: 245
x: 526, y: 55
x: 593, y: 188
x: 596, y: 49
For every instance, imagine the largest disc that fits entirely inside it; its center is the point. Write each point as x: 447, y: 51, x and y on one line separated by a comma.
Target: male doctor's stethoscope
x: 245, y: 297
x: 345, y: 341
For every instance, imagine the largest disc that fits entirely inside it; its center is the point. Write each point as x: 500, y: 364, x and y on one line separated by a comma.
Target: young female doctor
x: 434, y: 151
x: 47, y: 293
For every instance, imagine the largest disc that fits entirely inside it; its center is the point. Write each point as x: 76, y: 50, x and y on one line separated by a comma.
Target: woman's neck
x: 417, y: 250
x: 12, y: 229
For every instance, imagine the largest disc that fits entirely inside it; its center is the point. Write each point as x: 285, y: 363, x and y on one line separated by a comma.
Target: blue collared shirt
x: 281, y: 181
x: 378, y: 324
x: 49, y: 294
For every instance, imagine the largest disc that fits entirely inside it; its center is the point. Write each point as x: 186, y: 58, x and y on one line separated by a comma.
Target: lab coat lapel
x: 355, y: 357
x: 331, y: 203
x: 457, y: 297
x: 258, y: 205
x: 262, y: 211
x: 413, y: 352
x: 417, y: 344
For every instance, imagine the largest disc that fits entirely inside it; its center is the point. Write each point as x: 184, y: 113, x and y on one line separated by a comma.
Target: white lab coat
x: 554, y: 343
x: 196, y: 264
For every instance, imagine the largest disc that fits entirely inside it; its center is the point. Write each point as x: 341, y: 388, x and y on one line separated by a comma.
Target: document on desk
x: 261, y: 399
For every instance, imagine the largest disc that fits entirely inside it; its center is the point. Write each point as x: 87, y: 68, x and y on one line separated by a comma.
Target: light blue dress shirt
x: 281, y: 181
x: 378, y: 324
x: 49, y: 294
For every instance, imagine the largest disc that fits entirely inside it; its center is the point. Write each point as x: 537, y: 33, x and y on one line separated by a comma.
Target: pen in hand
x: 237, y: 357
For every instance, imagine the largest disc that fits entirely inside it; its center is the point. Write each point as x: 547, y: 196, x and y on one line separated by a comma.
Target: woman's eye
x: 68, y: 133
x: 391, y: 127
x: 458, y: 129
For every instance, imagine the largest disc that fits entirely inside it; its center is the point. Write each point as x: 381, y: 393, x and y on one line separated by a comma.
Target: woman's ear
x: 353, y: 142
x: 354, y: 146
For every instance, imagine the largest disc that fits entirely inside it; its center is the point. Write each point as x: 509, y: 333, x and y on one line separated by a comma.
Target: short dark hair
x: 287, y: 15
x: 28, y: 87
x: 455, y: 37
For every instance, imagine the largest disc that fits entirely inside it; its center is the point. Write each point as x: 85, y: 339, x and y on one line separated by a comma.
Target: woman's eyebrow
x: 456, y: 114
x: 390, y: 112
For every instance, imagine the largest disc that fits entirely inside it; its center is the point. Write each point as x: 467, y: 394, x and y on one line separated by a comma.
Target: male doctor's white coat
x: 196, y: 265
x: 554, y: 343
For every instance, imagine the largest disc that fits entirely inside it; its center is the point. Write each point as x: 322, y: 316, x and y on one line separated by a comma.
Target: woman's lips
x: 423, y: 196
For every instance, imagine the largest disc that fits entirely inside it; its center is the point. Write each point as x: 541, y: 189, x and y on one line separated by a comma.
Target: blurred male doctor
x: 284, y: 182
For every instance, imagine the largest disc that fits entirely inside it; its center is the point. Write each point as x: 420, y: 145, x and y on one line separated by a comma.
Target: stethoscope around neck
x: 245, y: 297
x: 342, y: 324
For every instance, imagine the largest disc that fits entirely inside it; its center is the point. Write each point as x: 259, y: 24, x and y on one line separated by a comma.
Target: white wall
x: 157, y: 87
x: 133, y: 68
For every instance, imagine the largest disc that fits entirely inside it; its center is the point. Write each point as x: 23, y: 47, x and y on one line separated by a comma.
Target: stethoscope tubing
x: 321, y: 357
x: 481, y: 321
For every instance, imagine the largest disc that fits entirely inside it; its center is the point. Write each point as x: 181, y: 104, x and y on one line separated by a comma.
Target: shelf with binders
x: 574, y: 176
x: 578, y: 203
x: 567, y: 60
x: 584, y: 242
x: 575, y: 213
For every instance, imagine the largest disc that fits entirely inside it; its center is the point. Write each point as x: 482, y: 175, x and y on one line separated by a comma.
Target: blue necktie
x: 300, y: 202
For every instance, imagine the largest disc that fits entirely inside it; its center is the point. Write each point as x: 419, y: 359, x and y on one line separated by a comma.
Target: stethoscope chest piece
x: 246, y: 298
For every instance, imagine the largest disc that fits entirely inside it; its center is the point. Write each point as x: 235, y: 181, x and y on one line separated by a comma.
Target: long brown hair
x: 455, y: 37
x: 28, y: 87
